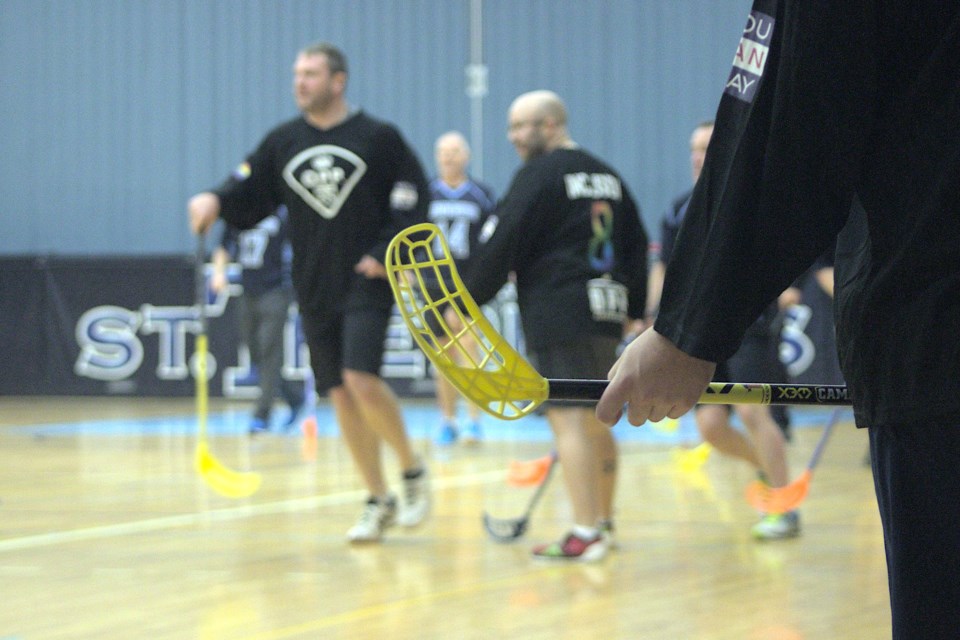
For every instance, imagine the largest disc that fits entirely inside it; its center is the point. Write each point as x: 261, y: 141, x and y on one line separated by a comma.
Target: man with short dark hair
x: 350, y: 183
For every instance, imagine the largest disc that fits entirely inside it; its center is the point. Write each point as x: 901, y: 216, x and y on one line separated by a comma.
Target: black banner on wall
x: 808, y: 345
x: 126, y: 326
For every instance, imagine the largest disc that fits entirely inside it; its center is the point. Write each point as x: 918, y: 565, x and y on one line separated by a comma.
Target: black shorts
x: 351, y: 340
x: 757, y: 360
x: 587, y: 359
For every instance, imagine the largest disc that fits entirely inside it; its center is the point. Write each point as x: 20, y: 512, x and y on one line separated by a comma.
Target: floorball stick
x: 768, y: 499
x: 496, y: 377
x: 527, y: 473
x: 225, y: 481
x: 510, y: 529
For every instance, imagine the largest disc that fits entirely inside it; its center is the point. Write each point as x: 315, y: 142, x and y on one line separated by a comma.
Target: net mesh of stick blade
x: 440, y: 314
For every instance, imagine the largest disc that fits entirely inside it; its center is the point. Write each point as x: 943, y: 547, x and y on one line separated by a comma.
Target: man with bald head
x: 459, y: 205
x: 570, y: 230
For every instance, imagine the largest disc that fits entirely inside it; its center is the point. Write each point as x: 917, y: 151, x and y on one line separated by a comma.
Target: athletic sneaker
x: 776, y: 526
x: 573, y: 547
x: 295, y: 410
x: 607, y: 531
x: 377, y: 516
x: 258, y: 425
x: 416, y: 497
x: 447, y: 434
x: 472, y: 433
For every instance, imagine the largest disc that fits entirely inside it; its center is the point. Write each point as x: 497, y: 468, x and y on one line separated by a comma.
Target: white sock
x: 585, y: 533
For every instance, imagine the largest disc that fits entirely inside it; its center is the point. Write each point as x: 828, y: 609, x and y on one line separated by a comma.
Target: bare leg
x: 447, y: 397
x: 447, y: 394
x: 576, y: 447
x: 379, y: 411
x: 364, y: 444
x: 769, y: 443
x: 606, y: 448
x: 713, y: 422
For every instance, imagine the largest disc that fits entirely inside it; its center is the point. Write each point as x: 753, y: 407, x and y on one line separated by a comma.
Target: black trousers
x: 916, y: 470
x: 263, y: 318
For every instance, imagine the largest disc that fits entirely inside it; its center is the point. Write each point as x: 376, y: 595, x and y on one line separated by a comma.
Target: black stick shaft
x: 724, y: 393
x: 200, y: 281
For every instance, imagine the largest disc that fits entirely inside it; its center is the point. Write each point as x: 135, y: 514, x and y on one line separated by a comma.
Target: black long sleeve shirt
x: 836, y: 113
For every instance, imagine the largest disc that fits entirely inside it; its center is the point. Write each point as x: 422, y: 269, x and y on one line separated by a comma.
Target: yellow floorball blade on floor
x: 225, y: 481
x: 692, y: 459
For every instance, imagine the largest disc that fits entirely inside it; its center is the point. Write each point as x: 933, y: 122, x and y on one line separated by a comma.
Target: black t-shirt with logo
x: 348, y: 189
x: 570, y: 230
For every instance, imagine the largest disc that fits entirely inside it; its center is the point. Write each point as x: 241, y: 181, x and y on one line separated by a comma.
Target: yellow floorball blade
x: 667, y: 425
x: 693, y: 459
x: 441, y: 315
x: 225, y: 481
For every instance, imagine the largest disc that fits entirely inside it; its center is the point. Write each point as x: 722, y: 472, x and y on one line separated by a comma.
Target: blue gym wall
x: 113, y: 112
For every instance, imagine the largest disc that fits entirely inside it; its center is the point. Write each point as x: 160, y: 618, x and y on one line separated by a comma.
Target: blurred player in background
x: 757, y: 359
x: 350, y: 183
x: 570, y: 230
x: 459, y: 206
x: 264, y: 254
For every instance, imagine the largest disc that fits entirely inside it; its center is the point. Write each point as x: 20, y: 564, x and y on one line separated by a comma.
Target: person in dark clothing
x: 571, y: 232
x: 264, y: 255
x: 350, y: 183
x: 840, y: 121
x: 763, y: 446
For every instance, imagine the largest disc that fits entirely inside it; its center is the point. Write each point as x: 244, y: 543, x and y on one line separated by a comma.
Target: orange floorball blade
x: 780, y: 499
x: 527, y: 473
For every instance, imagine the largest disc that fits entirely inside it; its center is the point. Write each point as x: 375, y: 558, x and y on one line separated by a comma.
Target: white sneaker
x: 416, y: 498
x: 607, y: 531
x: 777, y: 526
x: 376, y: 518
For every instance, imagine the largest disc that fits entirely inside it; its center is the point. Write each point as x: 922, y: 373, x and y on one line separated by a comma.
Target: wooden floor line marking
x: 222, y: 515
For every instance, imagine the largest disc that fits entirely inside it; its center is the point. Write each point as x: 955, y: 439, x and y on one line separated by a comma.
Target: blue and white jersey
x: 264, y: 253
x: 460, y: 213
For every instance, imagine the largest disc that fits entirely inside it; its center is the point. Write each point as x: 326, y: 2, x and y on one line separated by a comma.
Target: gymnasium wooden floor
x: 106, y: 531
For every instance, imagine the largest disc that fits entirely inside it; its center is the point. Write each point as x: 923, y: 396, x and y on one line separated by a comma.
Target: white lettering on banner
x: 109, y: 347
x: 112, y: 349
x: 595, y: 186
x: 797, y: 351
